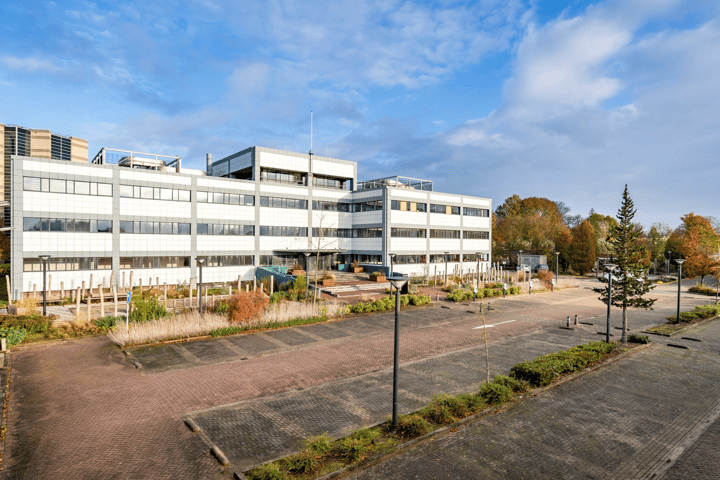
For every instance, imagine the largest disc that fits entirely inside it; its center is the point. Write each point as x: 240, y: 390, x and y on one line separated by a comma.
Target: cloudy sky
x: 565, y: 100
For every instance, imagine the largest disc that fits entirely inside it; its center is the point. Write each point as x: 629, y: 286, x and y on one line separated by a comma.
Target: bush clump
x: 702, y: 290
x: 14, y: 336
x: 301, y: 463
x: 635, y: 338
x: 107, y: 323
x: 700, y: 312
x: 269, y: 471
x: 388, y: 303
x: 495, y: 393
x: 352, y: 449
x: 245, y: 306
x: 411, y: 426
x: 29, y: 323
x: 514, y: 384
x: 146, y: 306
x: 543, y: 370
x: 318, y: 444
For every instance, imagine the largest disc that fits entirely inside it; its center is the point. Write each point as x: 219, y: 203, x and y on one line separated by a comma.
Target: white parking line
x: 488, y: 326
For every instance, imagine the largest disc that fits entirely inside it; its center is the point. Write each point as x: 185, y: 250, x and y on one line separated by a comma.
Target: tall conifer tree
x: 629, y: 277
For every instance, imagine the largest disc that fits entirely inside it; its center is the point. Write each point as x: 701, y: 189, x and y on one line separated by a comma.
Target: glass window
x: 45, y: 184
x: 234, y: 199
x: 126, y: 191
x: 202, y: 228
x: 82, y: 188
x: 126, y: 227
x: 264, y: 201
x: 146, y: 193
x: 146, y: 227
x: 57, y: 225
x: 184, y: 195
x: 93, y: 226
x: 31, y: 224
x: 166, y: 228
x: 202, y: 197
x: 156, y: 227
x: 105, y: 189
x: 104, y: 226
x: 249, y: 200
x: 31, y: 184
x: 217, y: 229
x: 69, y: 225
x: 93, y: 188
x: 82, y: 226
x: 184, y: 228
x: 70, y: 186
x: 218, y: 198
x: 156, y: 193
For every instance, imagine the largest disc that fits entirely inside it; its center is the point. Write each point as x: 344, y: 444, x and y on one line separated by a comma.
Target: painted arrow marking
x: 488, y: 326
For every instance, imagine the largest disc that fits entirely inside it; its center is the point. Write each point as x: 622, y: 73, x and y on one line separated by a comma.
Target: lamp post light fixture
x: 200, y: 262
x: 398, y: 283
x: 609, y: 267
x: 307, y: 274
x: 44, y: 259
x: 392, y: 267
x: 679, y: 261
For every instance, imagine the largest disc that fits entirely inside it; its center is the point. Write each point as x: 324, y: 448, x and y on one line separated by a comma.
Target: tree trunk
x: 623, y: 339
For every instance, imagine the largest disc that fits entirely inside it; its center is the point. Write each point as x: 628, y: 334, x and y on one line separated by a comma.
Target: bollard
x: 568, y: 322
x: 7, y: 284
x: 102, y: 301
x: 576, y: 320
x: 247, y: 287
x: 82, y: 292
x: 77, y: 303
x: 62, y: 291
x: 90, y: 285
x: 115, y: 304
x: 89, y: 307
x: 255, y: 283
x: 34, y: 290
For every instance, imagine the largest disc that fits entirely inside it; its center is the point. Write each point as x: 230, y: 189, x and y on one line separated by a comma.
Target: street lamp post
x: 200, y: 262
x: 44, y: 259
x: 307, y: 274
x: 477, y: 257
x: 557, y: 267
x: 679, y: 261
x: 392, y: 267
x: 609, y: 267
x: 398, y: 283
x: 446, y: 267
x: 667, y: 263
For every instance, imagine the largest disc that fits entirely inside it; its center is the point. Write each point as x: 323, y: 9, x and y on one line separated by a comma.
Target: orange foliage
x: 546, y: 277
x: 245, y: 306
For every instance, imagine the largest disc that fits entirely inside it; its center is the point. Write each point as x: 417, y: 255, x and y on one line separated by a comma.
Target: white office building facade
x: 258, y: 207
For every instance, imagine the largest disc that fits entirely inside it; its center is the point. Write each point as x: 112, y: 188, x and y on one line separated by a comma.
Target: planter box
x: 378, y: 278
x: 298, y: 272
x: 357, y: 270
x: 328, y: 283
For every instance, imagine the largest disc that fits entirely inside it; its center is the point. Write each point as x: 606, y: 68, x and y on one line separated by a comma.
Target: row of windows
x: 225, y: 229
x: 436, y: 233
x: 166, y: 228
x: 404, y: 206
x: 476, y: 212
x: 326, y: 182
x: 333, y: 232
x: 438, y: 258
x: 154, y: 262
x: 68, y: 263
x: 281, y: 177
x: 442, y: 258
x: 225, y: 198
x: 37, y: 184
x: 269, y: 231
x: 476, y: 235
x: 368, y: 232
x: 408, y: 232
x: 446, y: 209
x: 331, y: 206
x: 278, y: 202
x: 368, y: 206
x: 154, y: 193
x: 35, y: 224
x: 229, y: 260
x: 276, y: 260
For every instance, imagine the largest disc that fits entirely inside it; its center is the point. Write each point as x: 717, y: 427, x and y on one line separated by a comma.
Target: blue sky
x: 564, y: 100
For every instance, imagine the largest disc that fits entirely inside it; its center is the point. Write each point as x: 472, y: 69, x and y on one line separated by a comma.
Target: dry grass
x: 284, y: 311
x: 178, y: 326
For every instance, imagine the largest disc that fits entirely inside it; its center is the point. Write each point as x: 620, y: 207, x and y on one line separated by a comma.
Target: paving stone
x: 252, y: 343
x: 324, y: 331
x: 209, y: 350
x: 290, y: 337
x: 157, y: 357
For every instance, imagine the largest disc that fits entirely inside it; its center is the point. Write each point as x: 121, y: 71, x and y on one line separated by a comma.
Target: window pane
x: 234, y: 199
x: 82, y: 188
x: 31, y: 224
x: 105, y: 189
x: 57, y: 225
x: 217, y: 229
x: 105, y: 226
x: 202, y: 197
x: 146, y: 192
x: 166, y: 194
x: 126, y: 227
x: 45, y: 184
x: 93, y: 188
x: 146, y: 227
x: 166, y: 228
x: 218, y: 198
x: 249, y: 200
x: 93, y: 226
x: 31, y: 183
x: 126, y: 191
x: 184, y: 229
x: 184, y: 195
x: 156, y: 193
x: 70, y: 186
x: 202, y: 228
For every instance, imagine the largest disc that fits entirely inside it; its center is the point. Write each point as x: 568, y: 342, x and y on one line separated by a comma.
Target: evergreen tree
x: 629, y: 285
x: 582, y: 248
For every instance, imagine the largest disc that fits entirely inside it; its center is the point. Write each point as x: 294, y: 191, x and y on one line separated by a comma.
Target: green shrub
x: 269, y: 471
x: 14, y: 336
x: 146, y: 306
x: 495, y: 393
x: 472, y: 401
x: 411, y: 426
x: 108, y: 322
x: 29, y: 323
x: 702, y: 290
x: 515, y: 290
x: 543, y: 370
x: 221, y: 308
x: 352, y: 449
x: 365, y: 434
x: 319, y: 444
x: 700, y: 312
x: 635, y: 338
x: 301, y: 463
x: 300, y: 283
x: 512, y: 383
x: 446, y: 408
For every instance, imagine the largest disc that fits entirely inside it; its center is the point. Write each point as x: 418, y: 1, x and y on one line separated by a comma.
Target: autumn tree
x: 629, y: 256
x: 699, y: 246
x: 582, y: 248
x: 602, y: 225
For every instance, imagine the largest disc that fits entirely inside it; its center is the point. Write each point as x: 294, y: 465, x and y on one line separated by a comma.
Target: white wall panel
x: 439, y: 220
x: 402, y: 193
x: 221, y: 213
x: 282, y: 162
x: 476, y: 223
x: 288, y: 217
x: 410, y: 218
x: 240, y: 186
x: 207, y: 244
x: 444, y: 245
x: 479, y: 202
x: 321, y: 167
x: 280, y: 190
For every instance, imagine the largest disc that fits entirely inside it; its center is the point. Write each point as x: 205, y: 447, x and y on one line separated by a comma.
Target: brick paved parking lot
x: 79, y: 409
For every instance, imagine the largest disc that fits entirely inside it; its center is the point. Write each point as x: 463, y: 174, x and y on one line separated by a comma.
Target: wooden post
x: 255, y: 283
x: 62, y: 290
x: 90, y: 286
x: 131, y: 280
x: 247, y: 287
x: 7, y: 284
x: 115, y: 304
x: 166, y: 299
x: 157, y: 282
x: 239, y: 287
x: 123, y: 281
x: 112, y: 279
x: 272, y: 284
x: 102, y: 301
x: 49, y: 285
x: 77, y: 303
x: 192, y: 287
x: 89, y: 307
x: 34, y: 290
x: 82, y: 292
